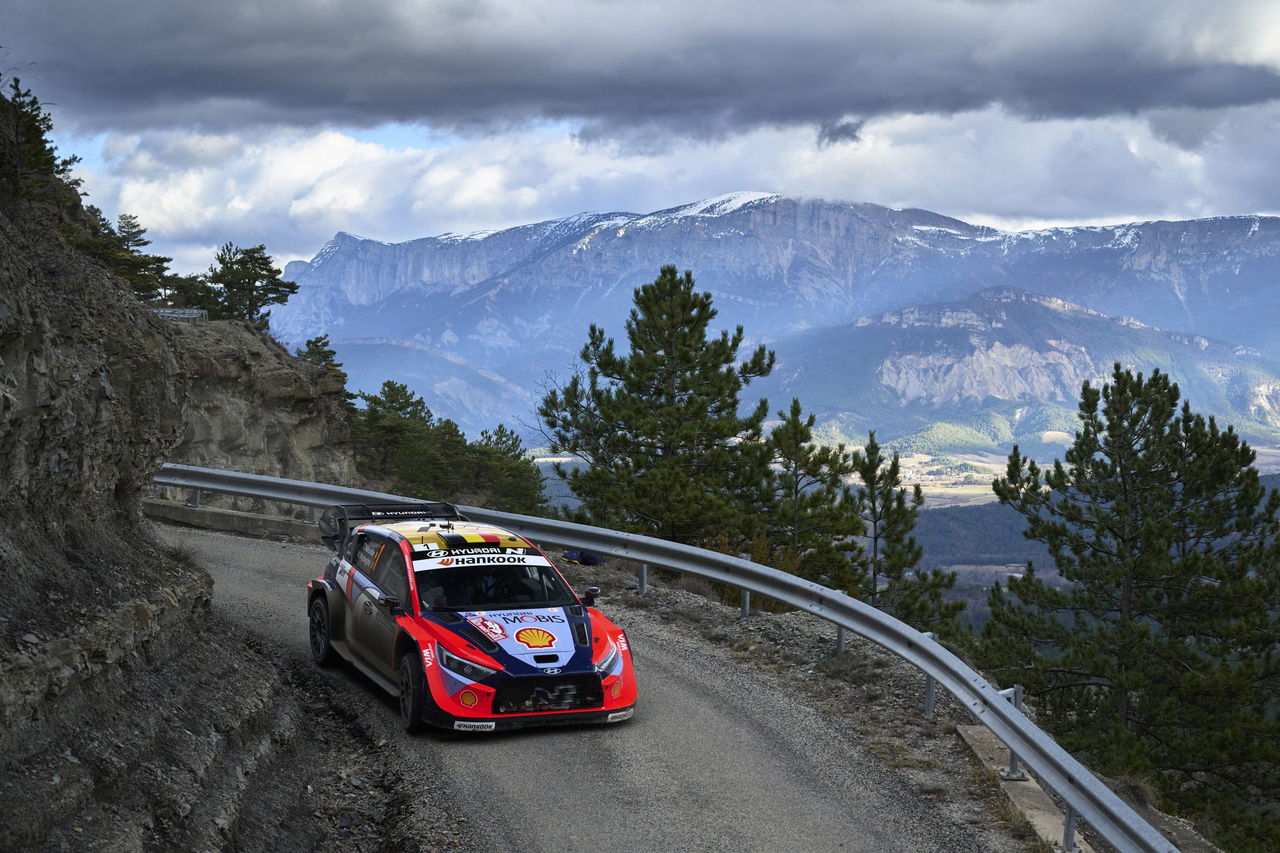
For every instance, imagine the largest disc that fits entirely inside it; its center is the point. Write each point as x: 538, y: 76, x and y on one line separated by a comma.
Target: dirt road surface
x: 716, y: 759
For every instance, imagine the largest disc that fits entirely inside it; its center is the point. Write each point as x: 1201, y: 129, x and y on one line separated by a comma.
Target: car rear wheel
x: 318, y: 628
x: 411, y: 693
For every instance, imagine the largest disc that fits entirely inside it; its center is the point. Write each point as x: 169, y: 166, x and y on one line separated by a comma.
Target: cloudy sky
x: 283, y: 121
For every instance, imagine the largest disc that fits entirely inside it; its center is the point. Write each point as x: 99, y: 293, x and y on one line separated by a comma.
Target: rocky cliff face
x: 111, y: 737
x: 1006, y: 366
x: 253, y: 407
x: 91, y: 396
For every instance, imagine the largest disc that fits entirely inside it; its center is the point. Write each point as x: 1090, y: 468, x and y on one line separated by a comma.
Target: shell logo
x: 536, y: 638
x: 468, y: 698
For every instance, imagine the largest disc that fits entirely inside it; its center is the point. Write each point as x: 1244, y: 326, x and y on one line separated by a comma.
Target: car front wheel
x: 411, y: 690
x: 318, y: 628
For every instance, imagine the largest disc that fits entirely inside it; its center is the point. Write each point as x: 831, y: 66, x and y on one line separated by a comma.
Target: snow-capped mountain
x: 474, y: 322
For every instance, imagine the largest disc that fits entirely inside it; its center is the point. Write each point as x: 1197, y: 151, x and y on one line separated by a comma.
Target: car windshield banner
x: 509, y: 557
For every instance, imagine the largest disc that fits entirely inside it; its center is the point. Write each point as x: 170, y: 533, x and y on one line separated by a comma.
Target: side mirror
x: 392, y: 604
x: 589, y: 595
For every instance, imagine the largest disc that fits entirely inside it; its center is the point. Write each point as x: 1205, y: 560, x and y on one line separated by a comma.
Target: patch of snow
x: 452, y: 237
x: 1125, y: 236
x: 720, y: 205
x: 935, y: 228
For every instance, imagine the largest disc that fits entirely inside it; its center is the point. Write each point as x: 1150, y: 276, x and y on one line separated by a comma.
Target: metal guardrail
x: 1085, y: 795
x: 182, y: 315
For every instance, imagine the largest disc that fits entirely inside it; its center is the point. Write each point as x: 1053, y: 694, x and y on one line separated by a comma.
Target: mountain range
x: 921, y: 326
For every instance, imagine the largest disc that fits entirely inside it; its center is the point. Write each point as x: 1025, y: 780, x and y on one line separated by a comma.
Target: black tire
x: 322, y: 651
x: 411, y: 693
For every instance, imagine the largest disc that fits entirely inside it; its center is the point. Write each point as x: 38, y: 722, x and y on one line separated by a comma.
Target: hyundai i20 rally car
x: 470, y: 625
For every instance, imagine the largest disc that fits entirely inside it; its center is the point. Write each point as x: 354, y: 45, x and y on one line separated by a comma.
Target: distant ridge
x: 490, y: 312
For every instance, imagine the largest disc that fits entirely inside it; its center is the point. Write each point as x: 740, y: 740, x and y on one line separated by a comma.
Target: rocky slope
x: 1005, y: 366
x: 131, y: 717
x: 253, y: 407
x: 474, y: 322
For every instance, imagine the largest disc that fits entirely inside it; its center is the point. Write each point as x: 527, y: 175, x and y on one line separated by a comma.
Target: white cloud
x: 292, y: 189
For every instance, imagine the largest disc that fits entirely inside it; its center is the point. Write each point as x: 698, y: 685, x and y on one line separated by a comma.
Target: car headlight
x: 463, y: 667
x: 610, y: 658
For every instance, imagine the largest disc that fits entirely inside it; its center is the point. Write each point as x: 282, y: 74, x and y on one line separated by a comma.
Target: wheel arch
x: 405, y: 645
x: 335, y: 601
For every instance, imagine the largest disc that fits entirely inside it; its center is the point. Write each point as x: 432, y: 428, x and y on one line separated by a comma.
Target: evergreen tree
x: 26, y: 127
x: 317, y: 351
x: 119, y: 248
x: 886, y: 573
x: 666, y: 450
x: 399, y: 441
x: 1159, y: 655
x: 247, y: 282
x: 386, y: 424
x: 502, y: 468
x: 810, y: 525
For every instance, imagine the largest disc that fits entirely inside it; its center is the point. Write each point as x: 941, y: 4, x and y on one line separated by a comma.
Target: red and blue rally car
x: 470, y: 625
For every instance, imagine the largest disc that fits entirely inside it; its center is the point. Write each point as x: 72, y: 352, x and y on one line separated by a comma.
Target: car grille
x: 548, y: 693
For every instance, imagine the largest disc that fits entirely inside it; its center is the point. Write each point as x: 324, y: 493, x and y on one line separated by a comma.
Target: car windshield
x: 488, y: 587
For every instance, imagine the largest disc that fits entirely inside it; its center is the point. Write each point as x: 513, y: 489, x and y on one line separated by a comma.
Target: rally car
x: 470, y: 625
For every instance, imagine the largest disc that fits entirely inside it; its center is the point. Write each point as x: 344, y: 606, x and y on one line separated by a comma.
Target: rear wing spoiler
x: 337, y: 522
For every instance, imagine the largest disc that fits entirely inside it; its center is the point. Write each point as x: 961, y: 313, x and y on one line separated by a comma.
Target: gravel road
x: 716, y: 758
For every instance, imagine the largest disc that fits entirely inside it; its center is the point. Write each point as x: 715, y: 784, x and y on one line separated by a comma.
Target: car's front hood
x: 542, y: 637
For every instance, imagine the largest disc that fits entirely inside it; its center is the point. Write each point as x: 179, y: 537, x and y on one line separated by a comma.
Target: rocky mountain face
x: 255, y: 408
x: 1004, y: 366
x: 91, y: 401
x: 111, y: 736
x: 474, y: 322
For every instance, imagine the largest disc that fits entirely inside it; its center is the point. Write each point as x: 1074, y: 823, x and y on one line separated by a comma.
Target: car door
x: 359, y: 584
x: 375, y: 624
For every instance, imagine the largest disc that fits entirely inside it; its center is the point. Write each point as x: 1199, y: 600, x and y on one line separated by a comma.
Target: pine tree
x: 119, y: 248
x: 810, y: 525
x: 666, y: 451
x: 386, y: 424
x: 886, y: 573
x: 192, y: 291
x: 317, y: 351
x: 1157, y: 654
x: 512, y: 481
x: 398, y: 440
x: 25, y: 130
x: 247, y: 282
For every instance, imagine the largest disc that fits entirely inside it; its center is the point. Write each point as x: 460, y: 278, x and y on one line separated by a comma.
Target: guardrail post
x: 930, y: 689
x: 1014, y: 772
x: 643, y: 584
x: 839, y: 639
x: 311, y: 515
x: 746, y: 603
x: 194, y: 500
x: 1069, y: 832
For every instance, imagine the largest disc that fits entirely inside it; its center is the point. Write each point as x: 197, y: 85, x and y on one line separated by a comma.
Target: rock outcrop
x: 255, y: 408
x: 131, y: 716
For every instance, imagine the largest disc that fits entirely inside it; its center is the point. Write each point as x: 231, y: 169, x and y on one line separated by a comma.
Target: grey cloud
x: 643, y: 70
x: 835, y: 132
